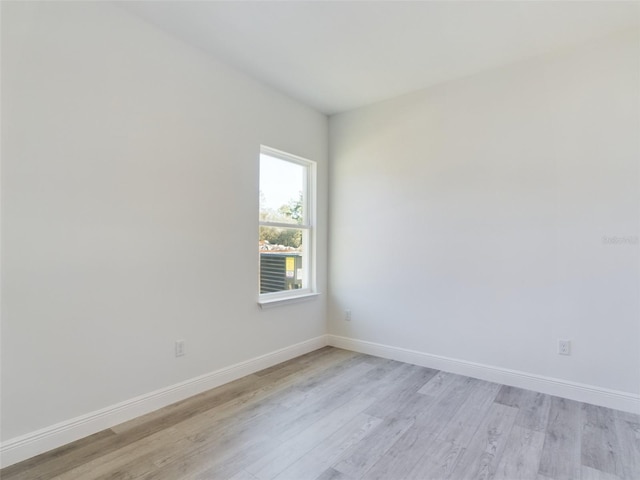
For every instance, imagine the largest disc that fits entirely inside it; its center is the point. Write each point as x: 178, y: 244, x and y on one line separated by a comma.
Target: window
x: 286, y: 226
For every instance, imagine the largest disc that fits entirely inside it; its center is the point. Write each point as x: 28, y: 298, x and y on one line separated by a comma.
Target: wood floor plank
x: 404, y: 390
x: 560, y: 458
x: 317, y: 386
x: 287, y: 453
x: 266, y: 410
x: 297, y: 445
x: 534, y: 412
x: 213, y: 460
x: 466, y: 420
x: 243, y: 475
x: 438, y: 461
x: 314, y: 463
x: 332, y: 474
x: 533, y: 407
x: 521, y: 457
x: 629, y: 435
x: 240, y: 457
x: 589, y: 473
x: 483, y: 454
x: 438, y: 384
x: 333, y: 396
x: 401, y: 458
x: 356, y: 462
x: 442, y: 455
x: 140, y: 453
x: 290, y: 450
x: 510, y: 396
x: 600, y: 446
x: 308, y: 385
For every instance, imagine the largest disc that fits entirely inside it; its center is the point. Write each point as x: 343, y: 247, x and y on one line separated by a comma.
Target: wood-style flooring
x: 339, y: 415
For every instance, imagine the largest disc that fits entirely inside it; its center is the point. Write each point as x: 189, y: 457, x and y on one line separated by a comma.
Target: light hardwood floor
x: 339, y: 415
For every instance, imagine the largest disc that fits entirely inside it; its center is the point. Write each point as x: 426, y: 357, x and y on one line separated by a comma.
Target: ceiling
x: 340, y: 55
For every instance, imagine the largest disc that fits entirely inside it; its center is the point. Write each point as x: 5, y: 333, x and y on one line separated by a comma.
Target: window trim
x: 308, y: 227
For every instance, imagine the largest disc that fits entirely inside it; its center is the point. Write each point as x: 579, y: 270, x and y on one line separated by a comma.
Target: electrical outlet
x: 180, y: 348
x: 347, y: 315
x: 564, y: 347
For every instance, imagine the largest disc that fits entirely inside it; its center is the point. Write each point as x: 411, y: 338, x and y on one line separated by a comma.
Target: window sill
x: 276, y: 302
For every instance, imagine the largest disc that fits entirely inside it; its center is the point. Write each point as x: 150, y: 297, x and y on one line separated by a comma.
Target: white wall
x: 467, y: 220
x: 129, y: 211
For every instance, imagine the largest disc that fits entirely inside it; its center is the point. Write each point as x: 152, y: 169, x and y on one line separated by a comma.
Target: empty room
x: 324, y: 240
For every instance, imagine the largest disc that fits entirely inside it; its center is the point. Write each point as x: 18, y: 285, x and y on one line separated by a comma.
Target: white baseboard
x: 625, y: 401
x: 26, y: 446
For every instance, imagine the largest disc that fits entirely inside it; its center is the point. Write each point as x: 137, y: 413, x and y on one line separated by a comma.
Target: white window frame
x: 308, y: 228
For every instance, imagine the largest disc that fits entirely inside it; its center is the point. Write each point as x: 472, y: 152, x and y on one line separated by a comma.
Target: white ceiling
x: 336, y: 56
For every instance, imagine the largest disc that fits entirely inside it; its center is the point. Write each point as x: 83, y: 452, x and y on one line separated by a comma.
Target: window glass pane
x: 282, y: 190
x: 282, y: 262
